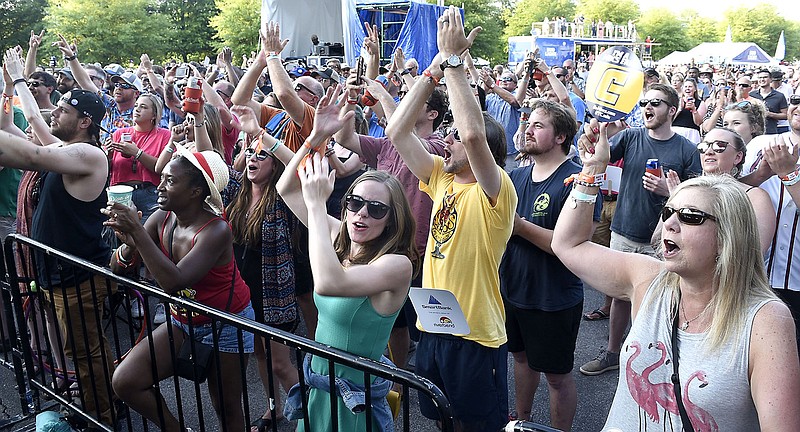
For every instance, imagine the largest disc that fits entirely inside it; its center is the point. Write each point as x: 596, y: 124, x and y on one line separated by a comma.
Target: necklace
x: 686, y: 323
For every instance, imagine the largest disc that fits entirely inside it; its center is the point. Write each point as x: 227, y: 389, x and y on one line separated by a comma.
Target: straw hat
x: 214, y: 170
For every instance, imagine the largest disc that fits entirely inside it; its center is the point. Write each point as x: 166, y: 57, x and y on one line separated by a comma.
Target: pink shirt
x: 152, y: 143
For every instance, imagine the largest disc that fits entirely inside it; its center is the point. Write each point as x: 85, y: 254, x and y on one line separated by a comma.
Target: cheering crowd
x: 283, y: 192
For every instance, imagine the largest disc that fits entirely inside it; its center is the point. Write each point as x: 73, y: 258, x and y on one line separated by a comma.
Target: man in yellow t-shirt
x: 472, y: 218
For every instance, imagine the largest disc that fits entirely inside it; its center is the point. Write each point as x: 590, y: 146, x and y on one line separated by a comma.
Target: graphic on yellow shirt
x: 443, y: 224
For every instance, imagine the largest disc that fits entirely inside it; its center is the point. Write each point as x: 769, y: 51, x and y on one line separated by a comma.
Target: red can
x: 193, y: 94
x: 654, y: 167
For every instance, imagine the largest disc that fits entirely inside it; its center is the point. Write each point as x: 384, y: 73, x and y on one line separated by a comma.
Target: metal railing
x: 110, y: 331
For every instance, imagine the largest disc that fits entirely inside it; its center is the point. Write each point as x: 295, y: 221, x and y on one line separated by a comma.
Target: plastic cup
x: 122, y: 194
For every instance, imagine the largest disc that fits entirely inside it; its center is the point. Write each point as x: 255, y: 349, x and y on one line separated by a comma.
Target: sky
x: 716, y: 9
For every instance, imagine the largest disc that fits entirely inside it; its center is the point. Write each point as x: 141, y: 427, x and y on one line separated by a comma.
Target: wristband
x: 433, y: 79
x: 138, y: 154
x: 121, y: 261
x: 275, y: 146
x: 70, y: 58
x: 20, y: 80
x: 791, y: 176
x: 587, y: 184
x: 169, y: 149
x: 405, y: 72
x: 596, y: 179
x: 272, y: 55
x: 580, y: 197
x: 794, y: 181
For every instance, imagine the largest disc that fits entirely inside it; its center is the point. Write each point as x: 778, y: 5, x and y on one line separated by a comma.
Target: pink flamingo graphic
x: 663, y: 391
x: 640, y: 389
x: 700, y: 418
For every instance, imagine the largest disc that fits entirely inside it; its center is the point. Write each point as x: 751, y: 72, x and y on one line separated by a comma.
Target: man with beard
x: 65, y: 81
x: 42, y: 85
x: 543, y: 300
x: 68, y: 218
x: 642, y: 195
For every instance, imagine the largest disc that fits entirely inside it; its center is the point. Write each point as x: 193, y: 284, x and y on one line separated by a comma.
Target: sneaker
x: 604, y: 362
x: 136, y: 308
x: 160, y: 316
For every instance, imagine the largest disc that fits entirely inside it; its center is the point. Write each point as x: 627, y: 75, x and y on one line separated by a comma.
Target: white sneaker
x: 160, y: 316
x: 136, y: 308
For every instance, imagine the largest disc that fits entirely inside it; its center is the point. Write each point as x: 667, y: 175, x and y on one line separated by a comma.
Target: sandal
x: 595, y: 315
x: 265, y: 424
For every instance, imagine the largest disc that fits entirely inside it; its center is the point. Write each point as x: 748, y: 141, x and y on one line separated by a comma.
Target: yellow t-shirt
x: 467, y: 240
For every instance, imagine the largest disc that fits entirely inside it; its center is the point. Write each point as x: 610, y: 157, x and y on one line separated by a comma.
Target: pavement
x: 594, y: 393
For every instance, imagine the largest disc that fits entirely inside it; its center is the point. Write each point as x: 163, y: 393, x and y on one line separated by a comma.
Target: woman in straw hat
x: 187, y: 247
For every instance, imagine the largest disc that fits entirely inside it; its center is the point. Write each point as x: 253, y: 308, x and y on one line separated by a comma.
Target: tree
x: 761, y: 25
x: 701, y: 29
x: 237, y: 25
x: 117, y: 31
x: 519, y: 18
x: 488, y: 15
x: 17, y: 19
x: 193, y: 35
x: 666, y: 29
x: 616, y: 11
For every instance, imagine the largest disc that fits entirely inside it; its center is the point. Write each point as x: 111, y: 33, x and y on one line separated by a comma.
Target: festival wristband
x: 582, y: 197
x: 433, y: 79
x: 791, y: 176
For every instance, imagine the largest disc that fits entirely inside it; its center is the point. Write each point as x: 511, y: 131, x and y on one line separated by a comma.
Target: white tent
x: 731, y: 53
x: 676, y: 58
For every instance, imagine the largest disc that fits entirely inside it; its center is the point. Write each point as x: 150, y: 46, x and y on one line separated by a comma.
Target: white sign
x: 438, y: 311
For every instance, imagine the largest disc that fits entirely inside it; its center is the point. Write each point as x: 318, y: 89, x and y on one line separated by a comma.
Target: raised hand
x: 36, y: 40
x: 145, y: 63
x: 271, y: 38
x: 781, y: 157
x: 372, y: 42
x: 317, y: 179
x: 14, y: 64
x: 594, y: 150
x: 399, y: 59
x: 329, y: 119
x: 66, y: 49
x: 450, y: 37
x: 247, y: 119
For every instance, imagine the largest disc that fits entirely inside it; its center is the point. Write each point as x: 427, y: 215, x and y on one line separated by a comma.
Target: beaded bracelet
x: 587, y: 184
x: 121, y: 261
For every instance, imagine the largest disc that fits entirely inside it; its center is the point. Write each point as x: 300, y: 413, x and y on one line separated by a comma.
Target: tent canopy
x: 731, y: 52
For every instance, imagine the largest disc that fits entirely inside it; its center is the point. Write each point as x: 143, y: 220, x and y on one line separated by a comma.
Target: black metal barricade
x: 92, y: 321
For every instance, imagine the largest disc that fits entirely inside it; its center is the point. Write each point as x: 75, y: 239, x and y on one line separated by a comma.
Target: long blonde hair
x: 740, y: 279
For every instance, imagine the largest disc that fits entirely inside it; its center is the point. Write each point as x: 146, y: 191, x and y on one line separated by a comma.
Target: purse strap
x: 676, y: 381
x: 233, y: 272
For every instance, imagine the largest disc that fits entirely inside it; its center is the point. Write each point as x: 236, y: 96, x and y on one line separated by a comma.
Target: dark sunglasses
x: 375, y: 209
x: 686, y: 216
x: 744, y: 85
x: 717, y: 146
x: 560, y: 75
x: 653, y: 102
x: 124, y: 86
x: 454, y: 131
x: 794, y: 100
x: 34, y: 83
x: 223, y: 94
x: 298, y: 87
x: 261, y: 155
x: 507, y: 79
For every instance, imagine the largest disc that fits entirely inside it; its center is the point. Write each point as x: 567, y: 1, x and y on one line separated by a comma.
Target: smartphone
x: 126, y: 137
x: 361, y: 69
x: 182, y: 71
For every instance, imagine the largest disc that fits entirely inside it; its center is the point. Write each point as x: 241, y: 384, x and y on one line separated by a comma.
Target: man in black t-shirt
x: 775, y: 101
x: 543, y: 300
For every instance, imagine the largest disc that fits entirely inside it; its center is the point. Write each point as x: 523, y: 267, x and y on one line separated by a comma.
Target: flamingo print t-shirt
x: 714, y: 385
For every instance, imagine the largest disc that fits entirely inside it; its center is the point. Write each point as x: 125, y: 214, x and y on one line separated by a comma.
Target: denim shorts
x: 228, y: 337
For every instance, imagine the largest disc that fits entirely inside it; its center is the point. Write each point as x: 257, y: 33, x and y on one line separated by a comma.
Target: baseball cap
x: 326, y: 73
x: 114, y: 69
x: 776, y: 75
x: 87, y: 103
x: 68, y: 73
x: 651, y: 72
x: 130, y: 78
x: 299, y: 71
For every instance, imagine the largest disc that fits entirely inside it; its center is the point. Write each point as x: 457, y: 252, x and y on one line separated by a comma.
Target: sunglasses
x: 298, y: 87
x: 454, y: 131
x: 686, y: 216
x: 375, y: 209
x: 739, y: 105
x: 507, y: 79
x: 34, y: 83
x: 124, y: 86
x: 223, y: 94
x: 717, y: 146
x: 653, y: 102
x: 560, y: 75
x: 743, y: 85
x: 794, y: 100
x: 261, y: 155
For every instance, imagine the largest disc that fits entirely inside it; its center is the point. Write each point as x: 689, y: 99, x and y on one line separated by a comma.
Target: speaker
x: 322, y: 50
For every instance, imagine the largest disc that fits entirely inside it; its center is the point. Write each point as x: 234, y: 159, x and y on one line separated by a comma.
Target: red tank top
x: 214, y: 288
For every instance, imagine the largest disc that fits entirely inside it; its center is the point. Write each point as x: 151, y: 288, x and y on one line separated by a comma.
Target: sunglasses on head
x: 717, y: 146
x: 454, y: 131
x: 653, y: 102
x: 375, y: 209
x: 261, y: 155
x: 739, y: 105
x: 124, y: 86
x: 794, y: 100
x: 221, y: 93
x: 686, y: 216
x: 34, y: 83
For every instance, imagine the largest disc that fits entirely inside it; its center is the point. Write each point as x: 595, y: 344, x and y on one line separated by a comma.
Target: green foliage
x: 519, y: 18
x: 237, y: 25
x: 617, y: 11
x: 490, y: 44
x: 112, y: 30
x: 665, y: 28
x: 17, y: 19
x: 761, y: 25
x: 701, y: 29
x: 193, y: 36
